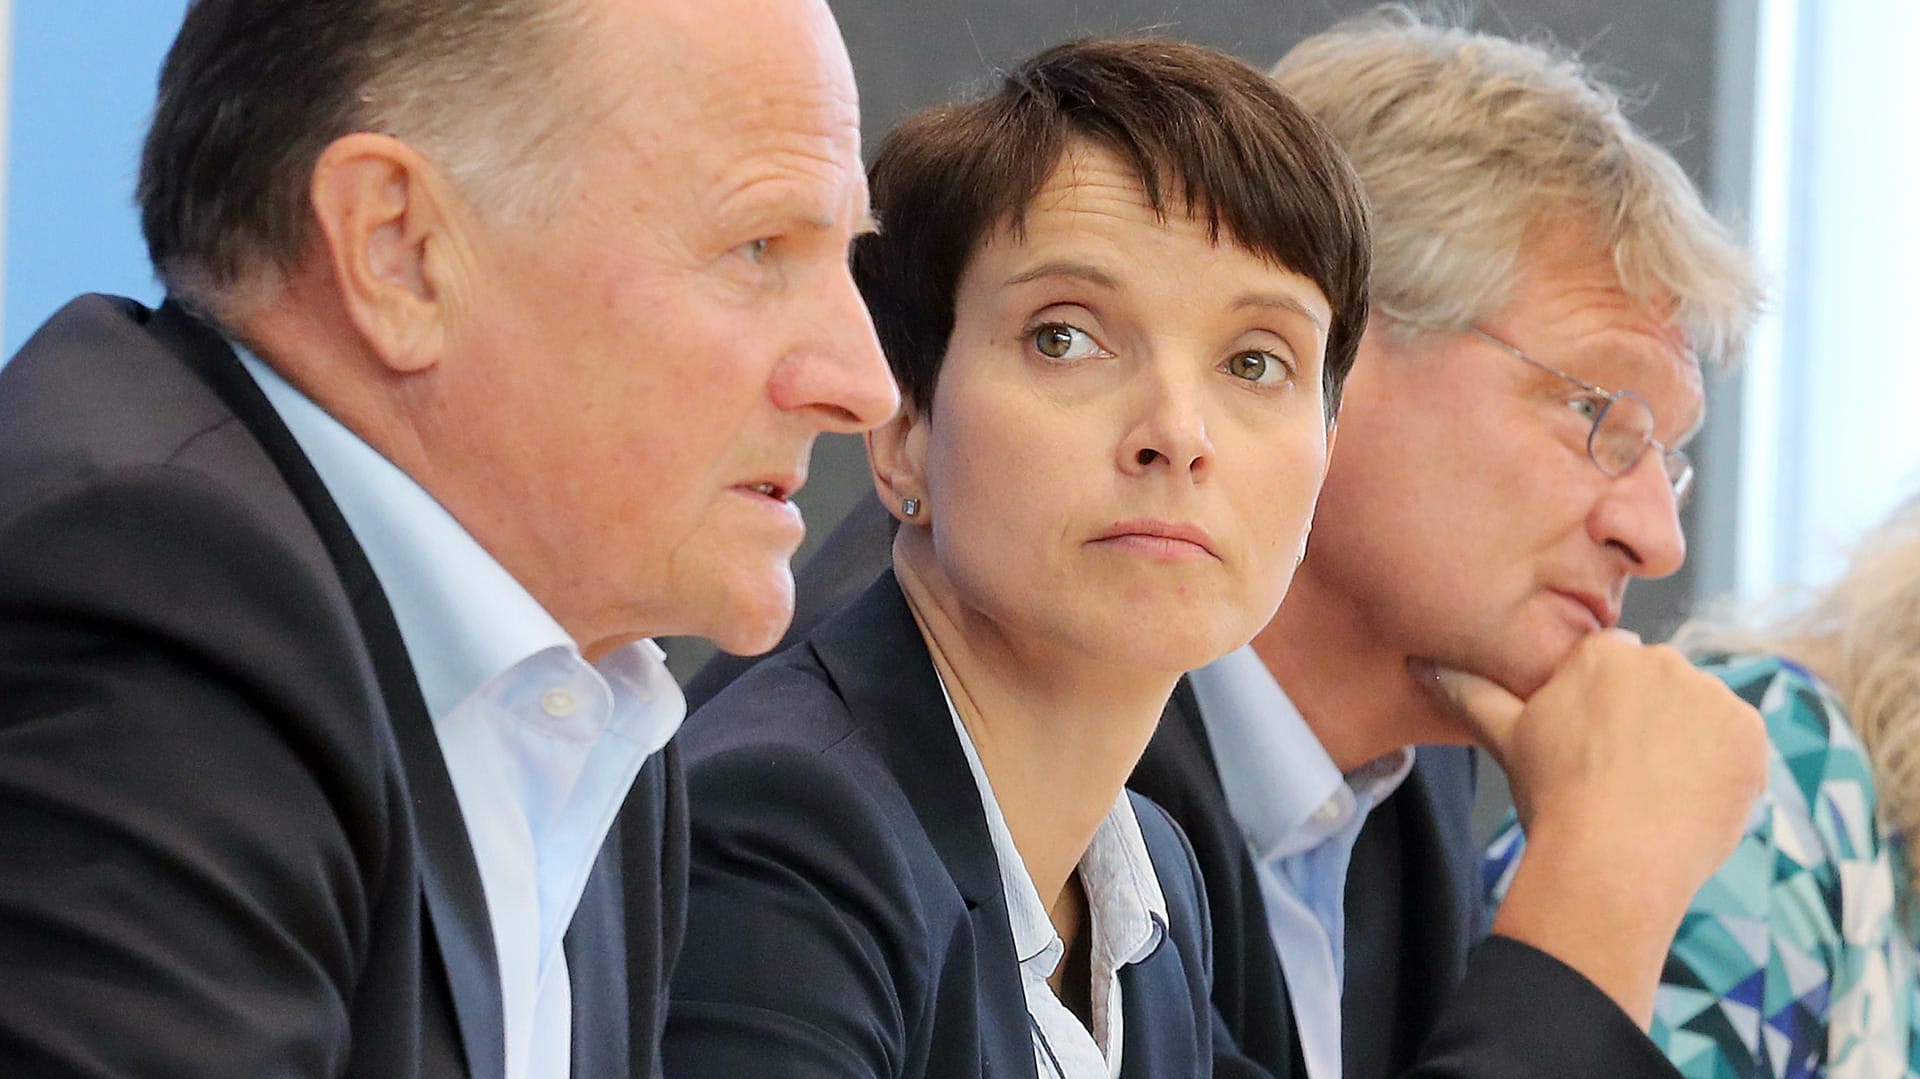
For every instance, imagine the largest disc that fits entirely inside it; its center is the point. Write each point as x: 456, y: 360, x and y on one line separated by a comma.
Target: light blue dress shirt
x: 1125, y: 905
x: 541, y: 745
x: 1300, y: 816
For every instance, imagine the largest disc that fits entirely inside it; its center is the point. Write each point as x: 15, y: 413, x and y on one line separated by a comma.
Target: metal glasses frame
x: 1677, y: 465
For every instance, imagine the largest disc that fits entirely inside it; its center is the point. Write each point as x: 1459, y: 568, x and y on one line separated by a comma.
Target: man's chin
x: 1523, y: 677
x: 1441, y: 723
x: 1519, y: 674
x: 1526, y: 657
x: 756, y: 616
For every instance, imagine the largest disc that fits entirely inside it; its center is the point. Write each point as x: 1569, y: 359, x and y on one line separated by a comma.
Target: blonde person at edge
x: 1120, y: 355
x: 1797, y: 958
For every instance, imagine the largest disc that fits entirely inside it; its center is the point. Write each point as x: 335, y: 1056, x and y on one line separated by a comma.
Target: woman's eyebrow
x: 1280, y: 300
x: 1066, y: 268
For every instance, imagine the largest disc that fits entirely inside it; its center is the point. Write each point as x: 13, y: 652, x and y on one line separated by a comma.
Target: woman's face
x: 1128, y: 433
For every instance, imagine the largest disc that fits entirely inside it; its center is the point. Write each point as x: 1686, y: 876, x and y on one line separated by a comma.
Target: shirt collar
x: 463, y: 617
x: 1126, y: 908
x: 1281, y: 785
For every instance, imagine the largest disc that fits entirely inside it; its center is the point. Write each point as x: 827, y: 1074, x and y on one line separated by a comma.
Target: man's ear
x: 383, y: 216
x: 896, y: 451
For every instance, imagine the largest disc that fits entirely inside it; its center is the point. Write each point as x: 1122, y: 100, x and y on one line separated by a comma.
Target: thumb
x: 1491, y: 711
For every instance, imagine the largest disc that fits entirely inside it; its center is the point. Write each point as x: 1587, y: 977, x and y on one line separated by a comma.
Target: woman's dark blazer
x: 846, y: 917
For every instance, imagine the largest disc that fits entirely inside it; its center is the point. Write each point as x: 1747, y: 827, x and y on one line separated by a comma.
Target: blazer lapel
x: 1151, y: 990
x: 1249, y: 991
x: 450, y: 878
x: 1441, y: 786
x: 881, y: 667
x: 601, y: 1008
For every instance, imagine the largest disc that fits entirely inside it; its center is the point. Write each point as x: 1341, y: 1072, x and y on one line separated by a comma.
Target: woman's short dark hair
x: 1195, y: 124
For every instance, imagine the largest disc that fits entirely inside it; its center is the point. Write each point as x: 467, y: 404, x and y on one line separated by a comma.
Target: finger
x: 1491, y: 711
x: 1626, y: 635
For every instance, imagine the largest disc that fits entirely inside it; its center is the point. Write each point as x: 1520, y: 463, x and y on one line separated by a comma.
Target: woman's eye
x: 754, y: 250
x: 1257, y: 366
x: 1059, y: 341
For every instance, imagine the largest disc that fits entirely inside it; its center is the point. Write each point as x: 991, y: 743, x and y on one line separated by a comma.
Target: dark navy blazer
x: 1427, y: 992
x: 846, y: 916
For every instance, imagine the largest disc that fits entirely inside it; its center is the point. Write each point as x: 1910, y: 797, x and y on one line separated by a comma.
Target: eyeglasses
x: 1623, y: 426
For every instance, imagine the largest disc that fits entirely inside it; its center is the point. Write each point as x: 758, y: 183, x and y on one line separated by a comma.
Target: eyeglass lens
x: 1623, y: 431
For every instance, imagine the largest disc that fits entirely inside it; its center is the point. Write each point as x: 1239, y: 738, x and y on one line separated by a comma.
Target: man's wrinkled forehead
x: 1569, y: 307
x: 712, y: 61
x: 707, y: 103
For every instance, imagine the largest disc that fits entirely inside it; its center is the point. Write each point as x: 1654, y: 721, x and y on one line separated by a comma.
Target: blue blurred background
x: 82, y: 89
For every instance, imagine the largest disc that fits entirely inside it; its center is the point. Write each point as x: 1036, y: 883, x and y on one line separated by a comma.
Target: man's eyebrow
x: 1282, y: 301
x: 1067, y: 268
x: 824, y: 222
x: 1619, y: 371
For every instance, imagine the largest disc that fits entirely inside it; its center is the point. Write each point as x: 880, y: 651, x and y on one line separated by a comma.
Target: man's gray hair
x: 254, y: 90
x: 1469, y: 145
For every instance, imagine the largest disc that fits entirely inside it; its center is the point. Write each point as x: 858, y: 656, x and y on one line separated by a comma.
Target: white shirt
x: 1128, y: 913
x: 541, y: 745
x: 1300, y: 816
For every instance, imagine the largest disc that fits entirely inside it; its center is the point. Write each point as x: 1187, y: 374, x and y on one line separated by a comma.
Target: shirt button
x: 557, y: 703
x: 1327, y: 810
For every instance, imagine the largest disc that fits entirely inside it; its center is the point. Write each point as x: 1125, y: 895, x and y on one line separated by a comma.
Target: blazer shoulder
x: 780, y: 759
x: 191, y: 710
x: 177, y: 565
x: 101, y: 386
x: 788, y: 700
x: 820, y: 915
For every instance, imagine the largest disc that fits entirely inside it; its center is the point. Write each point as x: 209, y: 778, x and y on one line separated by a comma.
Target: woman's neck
x: 1057, y: 733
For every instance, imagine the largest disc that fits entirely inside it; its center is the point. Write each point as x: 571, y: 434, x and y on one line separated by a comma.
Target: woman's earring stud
x: 910, y: 507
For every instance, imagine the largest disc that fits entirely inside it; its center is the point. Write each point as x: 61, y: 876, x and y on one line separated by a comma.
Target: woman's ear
x: 896, y: 451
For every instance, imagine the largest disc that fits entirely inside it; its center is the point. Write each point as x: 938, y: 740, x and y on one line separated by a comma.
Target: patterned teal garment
x: 1795, y: 959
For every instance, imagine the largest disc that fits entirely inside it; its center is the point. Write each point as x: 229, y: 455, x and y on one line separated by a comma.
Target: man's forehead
x: 1569, y: 308
x: 1658, y: 366
x: 687, y: 95
x: 719, y: 57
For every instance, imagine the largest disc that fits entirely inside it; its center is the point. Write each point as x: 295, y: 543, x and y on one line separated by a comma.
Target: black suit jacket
x: 1427, y: 993
x: 847, y: 917
x: 1421, y: 997
x: 228, y: 842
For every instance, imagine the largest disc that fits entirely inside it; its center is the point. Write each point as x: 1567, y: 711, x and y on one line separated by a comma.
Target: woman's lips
x: 1160, y: 539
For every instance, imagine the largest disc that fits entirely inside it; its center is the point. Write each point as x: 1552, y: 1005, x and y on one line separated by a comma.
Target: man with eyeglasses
x: 1509, y: 458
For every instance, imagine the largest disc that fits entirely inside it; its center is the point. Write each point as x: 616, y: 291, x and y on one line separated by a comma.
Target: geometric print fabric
x: 1796, y: 959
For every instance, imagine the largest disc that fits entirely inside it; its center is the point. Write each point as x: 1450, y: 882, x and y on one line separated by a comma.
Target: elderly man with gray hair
x: 331, y: 743
x: 1509, y: 458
